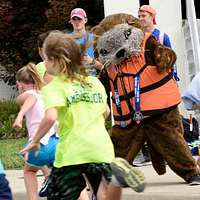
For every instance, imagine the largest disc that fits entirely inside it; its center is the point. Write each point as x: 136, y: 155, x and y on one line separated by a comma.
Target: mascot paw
x: 164, y: 58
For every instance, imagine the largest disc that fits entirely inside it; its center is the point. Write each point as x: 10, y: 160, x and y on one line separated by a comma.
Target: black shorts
x: 68, y: 182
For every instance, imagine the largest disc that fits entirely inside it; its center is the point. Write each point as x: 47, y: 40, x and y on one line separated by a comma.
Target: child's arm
x: 27, y: 101
x: 107, y: 112
x: 21, y: 98
x: 46, y: 123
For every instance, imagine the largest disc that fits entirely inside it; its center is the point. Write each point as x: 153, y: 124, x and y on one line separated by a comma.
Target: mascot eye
x: 103, y: 52
x: 127, y: 33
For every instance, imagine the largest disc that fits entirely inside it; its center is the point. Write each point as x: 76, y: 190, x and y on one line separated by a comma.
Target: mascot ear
x: 159, y: 55
x: 135, y: 23
x: 97, y: 30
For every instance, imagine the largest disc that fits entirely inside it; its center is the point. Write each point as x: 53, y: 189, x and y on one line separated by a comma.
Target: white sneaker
x: 126, y: 173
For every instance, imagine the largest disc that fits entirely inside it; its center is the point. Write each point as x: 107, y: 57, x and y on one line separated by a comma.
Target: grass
x: 9, y: 152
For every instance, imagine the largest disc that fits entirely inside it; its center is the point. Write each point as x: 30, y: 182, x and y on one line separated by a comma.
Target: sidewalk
x: 166, y: 187
x: 16, y: 180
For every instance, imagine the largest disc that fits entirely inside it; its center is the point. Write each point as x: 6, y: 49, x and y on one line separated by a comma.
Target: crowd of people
x: 80, y: 153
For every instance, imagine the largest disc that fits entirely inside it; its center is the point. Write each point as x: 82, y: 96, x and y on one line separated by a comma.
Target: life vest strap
x: 144, y: 113
x: 146, y: 88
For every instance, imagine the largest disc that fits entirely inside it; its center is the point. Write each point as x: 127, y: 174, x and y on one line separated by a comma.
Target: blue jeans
x: 5, y: 192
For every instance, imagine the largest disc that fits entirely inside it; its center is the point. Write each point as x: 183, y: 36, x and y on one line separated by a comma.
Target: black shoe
x: 43, y: 191
x: 194, y: 180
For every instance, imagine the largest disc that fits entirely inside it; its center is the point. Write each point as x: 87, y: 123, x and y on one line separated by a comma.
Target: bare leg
x: 114, y: 192
x: 45, y: 170
x: 84, y: 195
x: 31, y: 183
x: 102, y: 193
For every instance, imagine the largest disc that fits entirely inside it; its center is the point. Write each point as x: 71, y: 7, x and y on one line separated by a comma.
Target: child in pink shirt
x: 29, y: 84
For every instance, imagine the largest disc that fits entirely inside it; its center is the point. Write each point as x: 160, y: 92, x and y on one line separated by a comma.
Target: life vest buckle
x: 123, y: 124
x: 138, y: 117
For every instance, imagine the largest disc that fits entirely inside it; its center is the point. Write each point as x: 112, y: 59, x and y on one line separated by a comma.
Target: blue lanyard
x: 117, y: 100
x: 137, y: 115
x: 174, y: 72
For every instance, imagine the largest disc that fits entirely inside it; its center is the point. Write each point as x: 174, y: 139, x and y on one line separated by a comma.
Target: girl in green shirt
x: 78, y: 102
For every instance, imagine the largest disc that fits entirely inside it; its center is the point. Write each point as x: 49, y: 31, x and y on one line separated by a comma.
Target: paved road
x: 166, y: 187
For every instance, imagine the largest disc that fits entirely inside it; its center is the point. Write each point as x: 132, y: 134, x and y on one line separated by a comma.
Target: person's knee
x: 28, y: 169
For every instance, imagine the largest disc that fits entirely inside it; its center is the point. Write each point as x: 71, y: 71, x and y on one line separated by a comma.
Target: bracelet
x: 93, y: 61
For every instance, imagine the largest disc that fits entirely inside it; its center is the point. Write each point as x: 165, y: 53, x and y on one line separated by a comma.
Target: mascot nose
x: 120, y: 53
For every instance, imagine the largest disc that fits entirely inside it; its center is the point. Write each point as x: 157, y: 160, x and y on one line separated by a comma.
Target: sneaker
x: 43, y: 191
x: 141, y: 160
x: 126, y: 173
x: 194, y: 180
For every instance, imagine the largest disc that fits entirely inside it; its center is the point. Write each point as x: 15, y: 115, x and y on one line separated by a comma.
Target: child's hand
x: 31, y: 146
x: 18, y: 123
x: 87, y: 59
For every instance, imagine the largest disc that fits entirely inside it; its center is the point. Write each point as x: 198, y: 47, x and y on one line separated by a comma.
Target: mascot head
x: 117, y: 37
x: 119, y: 43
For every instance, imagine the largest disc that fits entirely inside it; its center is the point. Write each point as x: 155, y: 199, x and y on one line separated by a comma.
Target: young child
x: 79, y: 103
x: 40, y: 66
x: 29, y: 84
x: 46, y: 77
x: 5, y: 192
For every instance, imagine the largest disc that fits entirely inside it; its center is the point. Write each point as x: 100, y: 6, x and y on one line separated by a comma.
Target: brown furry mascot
x: 145, y: 97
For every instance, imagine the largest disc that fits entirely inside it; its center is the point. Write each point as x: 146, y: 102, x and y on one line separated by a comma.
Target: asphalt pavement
x: 166, y: 187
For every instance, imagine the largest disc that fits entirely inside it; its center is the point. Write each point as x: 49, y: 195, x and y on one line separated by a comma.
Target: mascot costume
x: 138, y: 71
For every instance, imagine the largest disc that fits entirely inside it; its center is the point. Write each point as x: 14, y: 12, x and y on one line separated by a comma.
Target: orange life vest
x: 157, y: 92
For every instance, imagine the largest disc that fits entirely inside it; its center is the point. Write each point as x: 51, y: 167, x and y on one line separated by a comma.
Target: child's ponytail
x: 31, y: 68
x: 29, y: 75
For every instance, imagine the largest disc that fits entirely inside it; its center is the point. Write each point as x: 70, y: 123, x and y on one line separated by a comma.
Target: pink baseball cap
x: 149, y: 9
x: 78, y: 12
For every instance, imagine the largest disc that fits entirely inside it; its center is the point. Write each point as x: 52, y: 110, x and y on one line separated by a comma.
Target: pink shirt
x: 34, y: 116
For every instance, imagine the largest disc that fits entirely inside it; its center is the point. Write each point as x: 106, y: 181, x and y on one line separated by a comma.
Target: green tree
x: 22, y: 21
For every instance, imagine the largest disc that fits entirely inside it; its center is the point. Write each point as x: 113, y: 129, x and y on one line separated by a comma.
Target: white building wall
x: 6, y: 92
x: 125, y: 6
x: 169, y: 20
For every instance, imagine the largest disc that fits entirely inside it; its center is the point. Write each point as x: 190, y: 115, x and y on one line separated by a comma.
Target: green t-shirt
x: 83, y: 137
x: 41, y: 69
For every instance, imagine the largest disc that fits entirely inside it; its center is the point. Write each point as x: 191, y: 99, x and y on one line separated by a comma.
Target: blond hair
x: 29, y: 75
x: 67, y: 55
